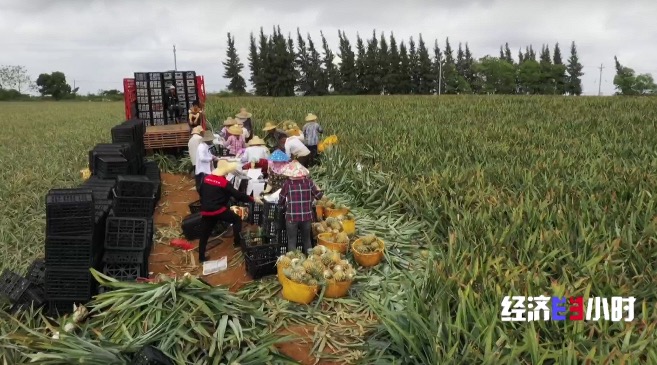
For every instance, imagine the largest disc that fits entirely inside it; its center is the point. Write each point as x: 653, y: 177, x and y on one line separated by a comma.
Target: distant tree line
x: 279, y: 66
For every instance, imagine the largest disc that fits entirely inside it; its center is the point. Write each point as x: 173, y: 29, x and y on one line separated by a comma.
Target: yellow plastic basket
x: 367, y: 259
x: 323, y: 239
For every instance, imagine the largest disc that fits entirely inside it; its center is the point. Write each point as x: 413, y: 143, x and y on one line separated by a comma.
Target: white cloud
x: 97, y: 43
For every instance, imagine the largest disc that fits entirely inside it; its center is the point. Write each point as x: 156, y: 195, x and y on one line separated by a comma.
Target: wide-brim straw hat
x: 256, y: 141
x: 208, y: 136
x: 243, y: 114
x: 197, y: 130
x: 269, y: 126
x: 294, y: 170
x: 229, y: 121
x: 224, y: 168
x: 311, y: 117
x: 235, y: 130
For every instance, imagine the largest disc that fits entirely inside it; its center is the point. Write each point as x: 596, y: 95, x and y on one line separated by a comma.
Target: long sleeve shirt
x: 294, y: 147
x: 192, y: 146
x: 255, y: 153
x: 204, y: 159
x: 297, y: 196
x: 234, y: 144
x: 216, y: 192
x: 311, y: 132
x: 271, y: 139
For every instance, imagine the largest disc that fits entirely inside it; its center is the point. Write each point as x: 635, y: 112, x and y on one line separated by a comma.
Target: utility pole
x: 440, y: 76
x: 600, y: 80
x: 175, y: 62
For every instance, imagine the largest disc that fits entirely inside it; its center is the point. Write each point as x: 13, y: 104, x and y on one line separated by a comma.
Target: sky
x: 97, y: 43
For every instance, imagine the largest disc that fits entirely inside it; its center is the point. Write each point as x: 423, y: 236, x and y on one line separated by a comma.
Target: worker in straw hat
x: 294, y: 147
x: 235, y: 141
x: 244, y: 119
x: 216, y: 192
x: 195, y: 117
x: 256, y: 153
x: 192, y: 146
x: 204, y: 159
x: 312, y: 131
x: 229, y: 122
x: 297, y: 196
x: 272, y: 135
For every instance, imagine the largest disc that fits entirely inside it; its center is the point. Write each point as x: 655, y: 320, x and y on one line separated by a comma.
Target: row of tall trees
x: 279, y: 66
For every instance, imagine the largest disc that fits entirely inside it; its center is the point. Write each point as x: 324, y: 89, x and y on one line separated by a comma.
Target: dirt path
x: 177, y: 192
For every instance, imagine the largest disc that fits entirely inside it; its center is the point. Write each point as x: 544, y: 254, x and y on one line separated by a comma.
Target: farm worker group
x: 274, y: 156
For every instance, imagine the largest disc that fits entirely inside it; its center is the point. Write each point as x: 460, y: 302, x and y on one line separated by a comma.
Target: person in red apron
x: 216, y: 192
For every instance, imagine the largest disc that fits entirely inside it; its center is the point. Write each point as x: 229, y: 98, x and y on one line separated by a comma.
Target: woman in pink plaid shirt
x: 235, y: 141
x: 297, y: 196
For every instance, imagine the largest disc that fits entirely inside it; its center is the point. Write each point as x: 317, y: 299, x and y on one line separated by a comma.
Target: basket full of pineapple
x: 334, y: 241
x: 330, y: 225
x: 368, y: 250
x: 301, y: 277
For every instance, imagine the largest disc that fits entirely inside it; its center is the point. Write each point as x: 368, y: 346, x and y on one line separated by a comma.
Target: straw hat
x: 197, y: 130
x: 256, y: 141
x: 235, y: 130
x: 171, y: 87
x: 224, y: 168
x: 294, y: 170
x: 229, y: 121
x: 311, y: 117
x: 243, y: 114
x: 208, y: 136
x: 269, y: 126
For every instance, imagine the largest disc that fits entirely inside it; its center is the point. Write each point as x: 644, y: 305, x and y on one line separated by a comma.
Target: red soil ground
x: 177, y: 192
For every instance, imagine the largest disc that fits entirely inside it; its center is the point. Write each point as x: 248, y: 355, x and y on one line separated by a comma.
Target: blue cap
x: 279, y: 156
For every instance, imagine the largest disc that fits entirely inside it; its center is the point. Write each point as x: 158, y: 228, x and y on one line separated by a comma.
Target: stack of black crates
x: 151, y: 88
x: 262, y: 250
x: 23, y: 292
x: 82, y: 222
x: 73, y: 245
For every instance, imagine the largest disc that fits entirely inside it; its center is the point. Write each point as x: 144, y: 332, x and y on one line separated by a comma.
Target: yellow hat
x: 311, y: 117
x: 235, y: 130
x: 224, y: 168
x: 269, y: 126
x: 256, y: 141
x: 208, y: 136
x: 229, y: 121
x: 243, y: 114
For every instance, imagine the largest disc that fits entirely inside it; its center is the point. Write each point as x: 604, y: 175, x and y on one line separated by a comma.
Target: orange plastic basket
x: 337, y: 289
x: 368, y: 259
x: 323, y: 239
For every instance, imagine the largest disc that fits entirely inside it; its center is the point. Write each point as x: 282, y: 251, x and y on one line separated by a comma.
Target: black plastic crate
x: 69, y: 202
x: 36, y: 273
x: 282, y: 238
x: 70, y: 226
x: 126, y: 234
x: 69, y: 284
x: 149, y: 355
x: 73, y: 257
x: 108, y: 167
x: 134, y: 186
x: 262, y: 247
x: 195, y: 207
x: 272, y: 228
x: 272, y: 212
x: 260, y: 267
x: 34, y: 296
x: 151, y: 170
x: 71, y: 241
x: 123, y: 272
x: 219, y: 151
x: 58, y: 308
x: 136, y: 207
x: 124, y: 257
x: 191, y: 227
x: 255, y: 213
x: 13, y: 285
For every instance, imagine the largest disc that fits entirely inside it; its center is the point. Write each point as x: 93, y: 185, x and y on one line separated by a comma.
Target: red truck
x: 162, y: 135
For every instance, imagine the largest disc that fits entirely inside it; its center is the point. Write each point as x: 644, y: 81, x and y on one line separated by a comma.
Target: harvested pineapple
x: 368, y: 244
x: 321, y: 266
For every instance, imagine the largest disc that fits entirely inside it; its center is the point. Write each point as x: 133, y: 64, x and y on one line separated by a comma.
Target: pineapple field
x: 476, y: 198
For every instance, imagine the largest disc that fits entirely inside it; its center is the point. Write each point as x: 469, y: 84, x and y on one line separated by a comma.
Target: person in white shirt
x: 295, y: 148
x: 192, y: 146
x: 204, y: 159
x: 255, y: 151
